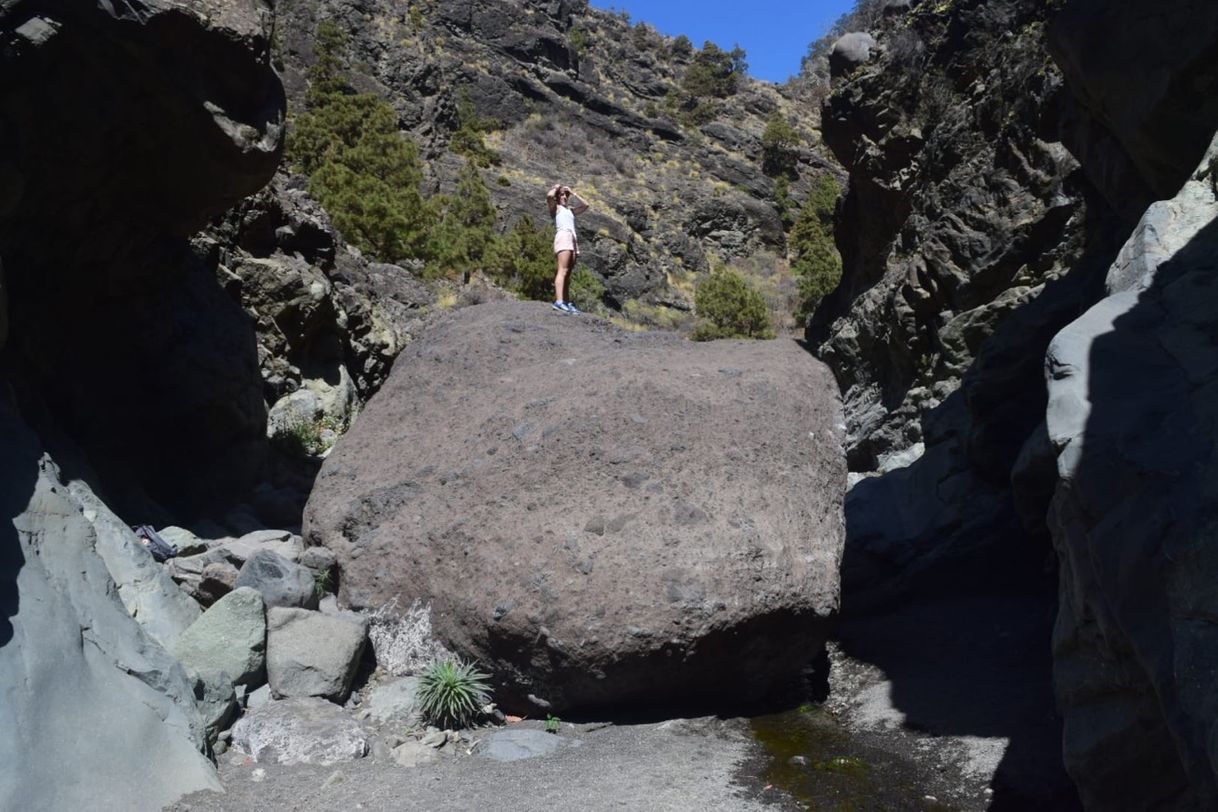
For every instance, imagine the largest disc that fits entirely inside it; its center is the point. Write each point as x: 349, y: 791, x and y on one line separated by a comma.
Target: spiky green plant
x: 452, y: 693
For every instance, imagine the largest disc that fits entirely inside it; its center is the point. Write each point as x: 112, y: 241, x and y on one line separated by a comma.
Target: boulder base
x: 598, y: 517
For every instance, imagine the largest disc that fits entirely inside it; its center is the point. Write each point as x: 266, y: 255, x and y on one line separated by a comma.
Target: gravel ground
x: 682, y: 764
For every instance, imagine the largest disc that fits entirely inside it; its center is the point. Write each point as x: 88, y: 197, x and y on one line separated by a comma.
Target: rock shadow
x: 948, y: 574
x: 1133, y: 521
x: 18, y: 473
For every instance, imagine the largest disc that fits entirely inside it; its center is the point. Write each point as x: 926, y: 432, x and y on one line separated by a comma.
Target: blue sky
x: 774, y: 33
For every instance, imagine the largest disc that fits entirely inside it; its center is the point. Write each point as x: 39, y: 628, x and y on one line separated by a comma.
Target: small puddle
x: 821, y: 765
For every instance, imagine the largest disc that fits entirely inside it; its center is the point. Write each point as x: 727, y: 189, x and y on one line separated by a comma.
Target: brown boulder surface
x: 599, y: 517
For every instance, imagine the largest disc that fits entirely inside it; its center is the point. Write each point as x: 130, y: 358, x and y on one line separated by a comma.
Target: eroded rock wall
x: 125, y: 128
x: 969, y: 236
x: 1132, y: 419
x: 128, y: 377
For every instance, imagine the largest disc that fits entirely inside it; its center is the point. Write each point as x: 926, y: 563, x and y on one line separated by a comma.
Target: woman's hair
x: 552, y: 198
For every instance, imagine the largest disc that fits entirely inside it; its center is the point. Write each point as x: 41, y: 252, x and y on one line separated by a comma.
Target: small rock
x: 230, y: 636
x: 217, y: 580
x: 435, y: 739
x: 258, y: 697
x: 186, y: 542
x: 258, y: 775
x: 320, y: 559
x: 335, y: 778
x: 302, y: 730
x: 516, y: 745
x: 413, y: 754
x: 395, y: 701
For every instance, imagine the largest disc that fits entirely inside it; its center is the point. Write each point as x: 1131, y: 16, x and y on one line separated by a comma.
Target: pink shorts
x: 565, y: 241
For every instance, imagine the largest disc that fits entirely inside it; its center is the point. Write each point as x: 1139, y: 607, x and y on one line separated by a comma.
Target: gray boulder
x: 74, y: 664
x: 301, y: 730
x: 1132, y: 415
x: 144, y: 586
x: 396, y: 701
x: 280, y: 582
x: 849, y: 52
x: 281, y: 542
x: 216, y: 700
x: 185, y: 541
x: 216, y: 581
x: 311, y: 654
x: 607, y: 528
x: 230, y: 636
x: 517, y: 744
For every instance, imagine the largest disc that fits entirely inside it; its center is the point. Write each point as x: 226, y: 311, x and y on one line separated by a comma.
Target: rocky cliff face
x: 969, y: 236
x: 581, y: 96
x: 125, y: 367
x: 1131, y: 417
x: 1000, y: 154
x: 125, y: 129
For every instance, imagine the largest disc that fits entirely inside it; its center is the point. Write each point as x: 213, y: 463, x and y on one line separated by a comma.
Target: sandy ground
x: 947, y: 703
x: 674, y: 765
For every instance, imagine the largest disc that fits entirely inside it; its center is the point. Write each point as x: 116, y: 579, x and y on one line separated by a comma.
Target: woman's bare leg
x: 566, y: 261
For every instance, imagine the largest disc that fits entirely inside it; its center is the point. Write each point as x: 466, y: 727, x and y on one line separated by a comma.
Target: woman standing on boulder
x: 564, y: 205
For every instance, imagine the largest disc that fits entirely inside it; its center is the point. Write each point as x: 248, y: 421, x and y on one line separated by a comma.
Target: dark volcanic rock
x: 1149, y: 79
x: 599, y: 517
x: 969, y: 236
x: 1133, y: 416
x: 126, y: 126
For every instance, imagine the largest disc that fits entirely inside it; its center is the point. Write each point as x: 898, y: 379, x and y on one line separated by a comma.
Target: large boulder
x: 1133, y: 412
x: 95, y: 714
x: 598, y: 517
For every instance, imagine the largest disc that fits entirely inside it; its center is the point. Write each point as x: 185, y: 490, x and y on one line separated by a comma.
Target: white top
x: 564, y: 219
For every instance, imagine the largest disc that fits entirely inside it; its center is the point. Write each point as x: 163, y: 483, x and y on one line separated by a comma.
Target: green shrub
x: 814, y: 258
x: 586, y: 290
x: 465, y: 228
x: 714, y: 72
x: 729, y: 307
x: 711, y: 75
x: 522, y: 260
x: 452, y: 693
x: 779, y: 147
x: 467, y: 139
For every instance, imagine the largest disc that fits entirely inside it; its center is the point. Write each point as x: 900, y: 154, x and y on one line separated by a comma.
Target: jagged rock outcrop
x: 1131, y: 419
x: 75, y: 665
x: 598, y: 517
x: 580, y: 96
x: 328, y: 322
x: 969, y: 236
x: 1132, y: 415
x: 126, y: 126
x: 128, y: 379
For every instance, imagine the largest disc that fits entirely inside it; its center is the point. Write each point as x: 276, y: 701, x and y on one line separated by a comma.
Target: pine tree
x: 814, y: 258
x: 465, y: 228
x: 523, y: 260
x: 362, y: 169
